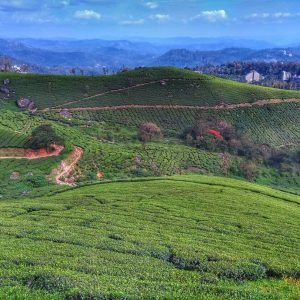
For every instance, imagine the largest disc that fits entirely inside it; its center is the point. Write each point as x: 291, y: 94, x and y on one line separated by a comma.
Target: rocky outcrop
x: 6, y: 81
x: 66, y: 114
x: 4, y: 89
x: 15, y: 176
x: 26, y: 103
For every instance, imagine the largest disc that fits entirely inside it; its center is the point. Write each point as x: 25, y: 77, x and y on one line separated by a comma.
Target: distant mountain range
x: 187, y: 58
x: 51, y: 56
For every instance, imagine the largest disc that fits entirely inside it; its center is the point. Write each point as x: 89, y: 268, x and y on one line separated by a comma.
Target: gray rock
x: 15, y: 176
x: 23, y: 103
x: 26, y: 103
x: 4, y: 90
x: 6, y: 81
x: 65, y: 114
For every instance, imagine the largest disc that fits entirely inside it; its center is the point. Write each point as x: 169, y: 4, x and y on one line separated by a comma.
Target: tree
x: 73, y: 71
x: 5, y: 64
x: 249, y: 169
x: 44, y: 136
x: 148, y: 131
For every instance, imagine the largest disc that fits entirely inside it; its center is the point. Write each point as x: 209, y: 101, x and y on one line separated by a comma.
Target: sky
x: 116, y: 19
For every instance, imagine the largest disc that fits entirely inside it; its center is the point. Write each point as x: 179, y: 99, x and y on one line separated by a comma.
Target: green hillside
x: 184, y: 237
x: 109, y: 137
x: 274, y: 124
x: 141, y: 86
x: 132, y: 228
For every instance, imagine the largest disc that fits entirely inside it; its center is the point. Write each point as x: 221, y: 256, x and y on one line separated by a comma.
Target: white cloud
x: 133, y: 22
x: 282, y: 15
x: 277, y: 15
x: 65, y: 2
x: 87, y: 14
x: 160, y: 17
x: 34, y: 17
x: 151, y: 5
x: 212, y: 15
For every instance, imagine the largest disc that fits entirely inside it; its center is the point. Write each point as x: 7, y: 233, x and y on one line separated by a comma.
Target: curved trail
x: 31, y: 154
x: 109, y: 92
x: 66, y: 167
x: 216, y: 107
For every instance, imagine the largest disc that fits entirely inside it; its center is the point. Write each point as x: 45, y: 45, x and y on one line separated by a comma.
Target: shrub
x: 249, y: 169
x: 149, y: 131
x: 37, y: 181
x: 44, y: 136
x: 243, y: 272
x: 50, y: 282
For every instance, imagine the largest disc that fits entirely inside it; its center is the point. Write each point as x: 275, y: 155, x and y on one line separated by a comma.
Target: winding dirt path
x: 216, y: 107
x: 30, y: 154
x: 108, y: 92
x: 66, y: 167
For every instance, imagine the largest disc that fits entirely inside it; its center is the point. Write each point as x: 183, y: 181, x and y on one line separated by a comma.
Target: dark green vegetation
x: 182, y: 87
x: 109, y: 137
x: 271, y: 71
x: 44, y: 136
x: 186, y: 237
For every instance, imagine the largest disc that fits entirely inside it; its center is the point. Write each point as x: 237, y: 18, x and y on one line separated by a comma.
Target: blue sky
x: 258, y: 19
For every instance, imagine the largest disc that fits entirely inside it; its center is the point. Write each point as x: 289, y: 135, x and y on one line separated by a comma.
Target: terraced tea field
x: 273, y: 124
x: 173, y: 99
x: 140, y: 86
x: 175, y: 238
x: 143, y: 233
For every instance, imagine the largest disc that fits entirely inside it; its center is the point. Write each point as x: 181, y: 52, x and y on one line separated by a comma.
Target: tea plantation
x: 186, y: 237
x: 141, y: 86
x: 147, y: 219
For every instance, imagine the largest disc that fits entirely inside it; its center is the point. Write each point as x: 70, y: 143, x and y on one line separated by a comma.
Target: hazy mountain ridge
x: 59, y: 56
x: 187, y: 58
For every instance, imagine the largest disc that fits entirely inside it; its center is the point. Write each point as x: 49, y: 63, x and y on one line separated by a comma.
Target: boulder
x: 6, y: 81
x: 26, y: 103
x: 4, y: 90
x: 15, y: 176
x: 23, y: 103
x: 66, y: 114
x: 31, y: 106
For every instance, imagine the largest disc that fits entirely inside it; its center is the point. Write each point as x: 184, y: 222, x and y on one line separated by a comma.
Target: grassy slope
x: 116, y: 160
x: 175, y: 238
x: 183, y: 87
x: 275, y: 124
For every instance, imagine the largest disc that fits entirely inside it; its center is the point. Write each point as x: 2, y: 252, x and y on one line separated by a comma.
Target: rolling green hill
x: 109, y: 136
x: 141, y: 86
x: 184, y: 237
x: 144, y: 233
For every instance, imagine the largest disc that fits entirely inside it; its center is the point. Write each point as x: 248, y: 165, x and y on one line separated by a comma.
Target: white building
x: 253, y: 76
x: 286, y: 76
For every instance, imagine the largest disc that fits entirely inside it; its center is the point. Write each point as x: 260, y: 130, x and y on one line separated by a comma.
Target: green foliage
x: 165, y: 238
x: 148, y: 132
x: 37, y: 181
x: 183, y: 87
x: 44, y: 136
x: 105, y: 135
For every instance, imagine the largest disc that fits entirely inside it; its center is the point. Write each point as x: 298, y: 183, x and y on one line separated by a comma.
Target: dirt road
x: 216, y: 107
x: 66, y: 167
x: 30, y: 154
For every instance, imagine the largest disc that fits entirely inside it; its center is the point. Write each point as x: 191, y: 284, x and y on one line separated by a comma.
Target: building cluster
x: 255, y: 77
